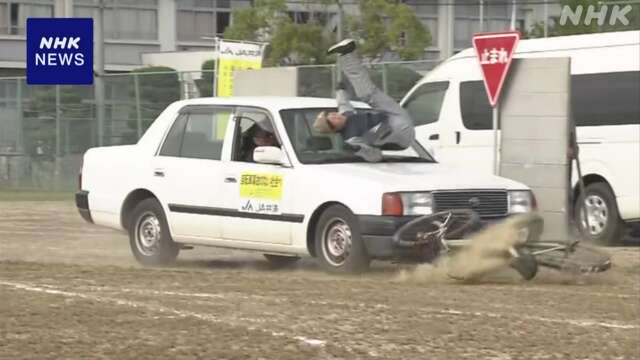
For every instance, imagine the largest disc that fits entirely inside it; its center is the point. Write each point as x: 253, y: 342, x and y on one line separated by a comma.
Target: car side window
x: 425, y: 103
x: 173, y: 141
x: 250, y: 125
x: 197, y: 134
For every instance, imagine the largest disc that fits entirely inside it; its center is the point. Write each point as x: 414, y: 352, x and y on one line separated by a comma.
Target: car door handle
x: 458, y: 135
x: 230, y: 180
x: 434, y: 136
x: 158, y: 173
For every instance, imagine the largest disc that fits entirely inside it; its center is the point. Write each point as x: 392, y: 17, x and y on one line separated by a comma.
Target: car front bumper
x: 378, y: 235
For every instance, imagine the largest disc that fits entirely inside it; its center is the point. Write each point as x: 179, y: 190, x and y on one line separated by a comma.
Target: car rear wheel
x: 605, y: 226
x: 149, y: 235
x: 338, y: 242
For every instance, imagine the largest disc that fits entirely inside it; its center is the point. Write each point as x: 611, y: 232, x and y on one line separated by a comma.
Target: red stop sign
x: 495, y: 51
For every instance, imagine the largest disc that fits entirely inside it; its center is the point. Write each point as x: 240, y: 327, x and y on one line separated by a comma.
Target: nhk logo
x: 59, y: 51
x: 618, y: 14
x: 53, y: 58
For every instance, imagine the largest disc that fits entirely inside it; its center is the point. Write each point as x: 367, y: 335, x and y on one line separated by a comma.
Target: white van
x: 453, y: 119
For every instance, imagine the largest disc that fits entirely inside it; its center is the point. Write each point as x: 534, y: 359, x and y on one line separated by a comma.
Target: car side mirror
x: 268, y: 155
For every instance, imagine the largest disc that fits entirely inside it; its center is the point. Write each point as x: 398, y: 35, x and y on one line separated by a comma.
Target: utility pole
x: 98, y: 82
x: 546, y: 18
x: 481, y: 16
x: 339, y: 36
x: 513, y: 15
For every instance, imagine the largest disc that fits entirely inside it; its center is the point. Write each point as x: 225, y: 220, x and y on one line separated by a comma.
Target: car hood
x: 418, y: 176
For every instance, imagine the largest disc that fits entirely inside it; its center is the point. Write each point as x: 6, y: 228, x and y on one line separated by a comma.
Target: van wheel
x: 279, y: 261
x: 338, y: 242
x: 605, y: 226
x: 149, y: 236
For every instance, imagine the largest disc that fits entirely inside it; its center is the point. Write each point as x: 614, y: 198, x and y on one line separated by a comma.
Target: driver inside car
x: 261, y: 133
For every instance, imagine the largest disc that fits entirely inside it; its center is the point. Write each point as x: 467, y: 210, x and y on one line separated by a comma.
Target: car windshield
x: 313, y: 147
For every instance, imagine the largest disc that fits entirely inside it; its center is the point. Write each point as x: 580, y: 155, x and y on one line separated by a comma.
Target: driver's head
x: 328, y: 122
x: 264, y: 135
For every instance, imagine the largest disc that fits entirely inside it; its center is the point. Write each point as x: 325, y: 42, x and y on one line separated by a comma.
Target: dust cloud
x: 488, y: 252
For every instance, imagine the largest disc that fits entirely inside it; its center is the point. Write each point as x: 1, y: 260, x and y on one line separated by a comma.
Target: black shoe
x: 343, y: 47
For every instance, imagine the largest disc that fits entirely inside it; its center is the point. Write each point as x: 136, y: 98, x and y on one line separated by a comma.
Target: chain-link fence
x: 44, y: 130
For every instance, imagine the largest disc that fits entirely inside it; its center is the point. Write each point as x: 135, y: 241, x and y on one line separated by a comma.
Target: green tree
x: 383, y: 26
x: 205, y: 83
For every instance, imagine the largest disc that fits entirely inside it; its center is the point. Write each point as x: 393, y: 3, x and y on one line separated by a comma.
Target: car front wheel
x: 338, y: 242
x: 149, y: 236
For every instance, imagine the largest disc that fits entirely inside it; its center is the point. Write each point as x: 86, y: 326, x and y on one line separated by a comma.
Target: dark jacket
x: 358, y: 123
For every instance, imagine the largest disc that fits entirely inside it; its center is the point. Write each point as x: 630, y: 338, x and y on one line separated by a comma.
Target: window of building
x: 14, y: 14
x: 124, y: 19
x: 223, y: 19
x: 425, y: 103
x: 201, y: 18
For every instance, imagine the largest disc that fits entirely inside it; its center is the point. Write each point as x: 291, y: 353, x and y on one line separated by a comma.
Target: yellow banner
x: 235, y: 56
x: 261, y: 186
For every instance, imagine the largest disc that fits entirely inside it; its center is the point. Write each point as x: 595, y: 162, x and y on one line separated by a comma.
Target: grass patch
x: 35, y: 195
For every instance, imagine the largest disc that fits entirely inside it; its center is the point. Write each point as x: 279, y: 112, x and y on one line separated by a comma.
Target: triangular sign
x: 495, y: 51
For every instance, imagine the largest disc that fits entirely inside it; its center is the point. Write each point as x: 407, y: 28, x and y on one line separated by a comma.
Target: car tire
x: 338, y: 242
x: 149, y: 235
x: 606, y: 227
x: 280, y: 261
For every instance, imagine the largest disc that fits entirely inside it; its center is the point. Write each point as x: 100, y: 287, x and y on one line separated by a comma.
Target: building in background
x: 135, y: 27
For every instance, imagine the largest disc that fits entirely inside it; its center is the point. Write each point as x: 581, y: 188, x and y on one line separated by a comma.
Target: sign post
x: 234, y: 55
x: 495, y: 51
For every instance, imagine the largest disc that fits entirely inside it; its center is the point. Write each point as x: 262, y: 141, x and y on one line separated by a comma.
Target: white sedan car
x: 196, y: 178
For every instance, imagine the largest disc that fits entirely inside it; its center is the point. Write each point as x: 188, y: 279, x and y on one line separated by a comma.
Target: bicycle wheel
x: 580, y: 258
x: 426, y: 229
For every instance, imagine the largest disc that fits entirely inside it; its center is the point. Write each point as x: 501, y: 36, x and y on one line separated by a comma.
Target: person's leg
x: 400, y: 130
x: 364, y: 150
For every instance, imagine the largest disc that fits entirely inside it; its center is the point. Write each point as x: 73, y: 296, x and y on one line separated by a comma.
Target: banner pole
x: 216, y: 49
x: 495, y: 140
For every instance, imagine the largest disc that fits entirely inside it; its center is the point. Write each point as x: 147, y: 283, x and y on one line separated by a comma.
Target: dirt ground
x: 72, y: 290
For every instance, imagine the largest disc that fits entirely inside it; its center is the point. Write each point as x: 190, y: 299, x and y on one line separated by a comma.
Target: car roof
x: 273, y: 103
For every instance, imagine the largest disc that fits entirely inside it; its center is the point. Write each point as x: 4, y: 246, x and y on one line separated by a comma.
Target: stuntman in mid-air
x: 388, y: 127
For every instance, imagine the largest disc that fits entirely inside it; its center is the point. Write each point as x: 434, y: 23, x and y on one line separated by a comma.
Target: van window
x: 474, y: 106
x: 596, y: 100
x: 425, y: 103
x: 606, y: 98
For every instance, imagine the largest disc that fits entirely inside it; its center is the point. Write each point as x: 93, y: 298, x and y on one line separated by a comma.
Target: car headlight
x: 417, y: 203
x: 399, y: 204
x: 521, y: 201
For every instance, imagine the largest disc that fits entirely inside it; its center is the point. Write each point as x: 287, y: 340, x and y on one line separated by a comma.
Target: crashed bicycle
x: 445, y: 233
